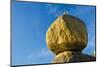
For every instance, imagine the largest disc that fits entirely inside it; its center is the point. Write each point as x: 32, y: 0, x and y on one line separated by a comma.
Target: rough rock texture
x: 67, y: 37
x: 66, y: 33
x: 72, y: 56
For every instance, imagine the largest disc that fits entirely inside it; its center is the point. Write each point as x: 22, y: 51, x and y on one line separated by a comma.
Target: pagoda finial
x: 66, y: 12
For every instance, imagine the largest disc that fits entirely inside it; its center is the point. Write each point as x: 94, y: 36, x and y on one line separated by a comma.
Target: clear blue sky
x: 30, y: 22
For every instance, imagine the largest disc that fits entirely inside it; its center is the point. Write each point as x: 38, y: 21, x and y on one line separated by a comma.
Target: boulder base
x: 72, y: 56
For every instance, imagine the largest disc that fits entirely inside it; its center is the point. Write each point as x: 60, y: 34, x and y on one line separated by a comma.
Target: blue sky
x: 30, y: 22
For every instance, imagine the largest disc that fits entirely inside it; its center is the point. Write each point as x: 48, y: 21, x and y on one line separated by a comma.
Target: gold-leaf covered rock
x: 66, y: 33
